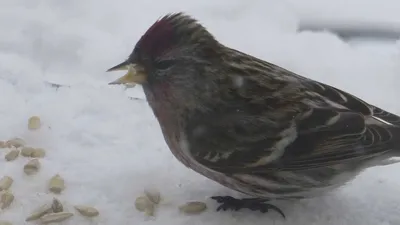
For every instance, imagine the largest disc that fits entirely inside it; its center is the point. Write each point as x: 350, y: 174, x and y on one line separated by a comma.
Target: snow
x: 108, y: 147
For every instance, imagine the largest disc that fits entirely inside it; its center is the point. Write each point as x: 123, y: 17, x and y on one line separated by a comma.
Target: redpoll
x: 251, y: 125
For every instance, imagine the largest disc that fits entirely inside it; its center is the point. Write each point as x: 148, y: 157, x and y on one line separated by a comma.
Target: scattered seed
x: 27, y: 151
x: 5, y: 183
x: 6, y: 199
x: 12, y: 155
x: 15, y: 142
x: 32, y: 167
x: 55, y: 217
x: 56, y: 184
x: 34, y: 123
x: 193, y: 207
x: 57, y: 206
x: 153, y: 195
x: 39, y: 212
x: 3, y: 222
x: 87, y: 210
x: 142, y: 203
x: 38, y: 153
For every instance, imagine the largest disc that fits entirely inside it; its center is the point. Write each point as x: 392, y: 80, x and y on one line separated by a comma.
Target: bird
x: 251, y: 125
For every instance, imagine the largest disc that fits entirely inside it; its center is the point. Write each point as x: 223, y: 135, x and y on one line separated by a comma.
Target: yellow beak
x: 135, y: 74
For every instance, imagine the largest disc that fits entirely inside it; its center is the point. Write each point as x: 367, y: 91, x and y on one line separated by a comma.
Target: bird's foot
x: 254, y: 204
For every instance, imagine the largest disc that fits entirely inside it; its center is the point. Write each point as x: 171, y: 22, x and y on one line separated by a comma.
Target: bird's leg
x: 254, y: 204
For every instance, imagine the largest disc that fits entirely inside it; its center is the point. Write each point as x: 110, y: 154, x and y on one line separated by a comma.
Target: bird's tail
x: 396, y: 139
x: 394, y: 147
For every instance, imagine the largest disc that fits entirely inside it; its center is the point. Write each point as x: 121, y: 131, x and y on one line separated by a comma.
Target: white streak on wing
x: 334, y: 104
x: 208, y: 156
x: 332, y: 120
x: 216, y: 158
x: 226, y: 155
x: 287, y: 137
x: 380, y: 120
x: 342, y: 96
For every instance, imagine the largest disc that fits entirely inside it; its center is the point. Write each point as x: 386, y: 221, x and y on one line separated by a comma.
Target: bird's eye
x: 164, y: 64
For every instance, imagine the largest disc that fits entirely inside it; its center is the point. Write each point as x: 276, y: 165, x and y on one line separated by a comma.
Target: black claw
x: 254, y: 204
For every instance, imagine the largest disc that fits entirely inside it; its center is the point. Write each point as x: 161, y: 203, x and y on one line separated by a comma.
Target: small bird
x: 251, y: 125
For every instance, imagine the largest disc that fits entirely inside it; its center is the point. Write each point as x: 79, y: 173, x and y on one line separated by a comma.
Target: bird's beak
x: 135, y: 74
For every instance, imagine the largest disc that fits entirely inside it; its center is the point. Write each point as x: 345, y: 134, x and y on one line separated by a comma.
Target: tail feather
x: 395, y: 145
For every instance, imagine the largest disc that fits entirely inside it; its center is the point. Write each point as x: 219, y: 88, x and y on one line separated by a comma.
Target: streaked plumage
x: 251, y: 125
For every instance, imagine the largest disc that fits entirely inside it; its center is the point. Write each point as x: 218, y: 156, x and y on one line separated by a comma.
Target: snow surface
x: 109, y: 147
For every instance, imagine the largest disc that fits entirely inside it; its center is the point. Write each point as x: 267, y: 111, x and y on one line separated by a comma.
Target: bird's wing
x: 351, y: 102
x: 327, y: 135
x: 345, y: 138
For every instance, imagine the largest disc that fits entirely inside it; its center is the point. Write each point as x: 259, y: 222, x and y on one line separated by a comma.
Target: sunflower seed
x: 34, y: 123
x: 27, y: 151
x: 193, y: 207
x: 3, y: 222
x: 149, y: 211
x: 5, y: 183
x: 57, y: 206
x: 56, y: 184
x: 142, y: 203
x: 15, y: 142
x: 153, y: 195
x: 6, y: 199
x: 3, y: 144
x: 38, y: 153
x: 55, y: 217
x: 39, y: 212
x: 12, y: 155
x: 32, y: 167
x: 87, y: 210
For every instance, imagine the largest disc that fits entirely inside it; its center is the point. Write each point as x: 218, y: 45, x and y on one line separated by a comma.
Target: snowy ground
x: 109, y: 148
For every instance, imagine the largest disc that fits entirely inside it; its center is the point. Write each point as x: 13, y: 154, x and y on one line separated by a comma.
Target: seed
x: 15, y: 142
x: 55, y: 217
x: 6, y: 199
x: 12, y: 155
x: 3, y: 144
x: 149, y: 211
x: 27, y: 151
x: 34, y: 123
x: 153, y: 195
x: 39, y: 212
x: 87, y: 210
x: 32, y: 167
x: 56, y: 184
x: 33, y: 152
x: 5, y: 183
x: 142, y: 203
x: 38, y: 153
x: 193, y: 207
x: 57, y: 206
x: 3, y: 222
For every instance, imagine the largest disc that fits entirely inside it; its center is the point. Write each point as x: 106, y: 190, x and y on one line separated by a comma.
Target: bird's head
x: 172, y: 59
